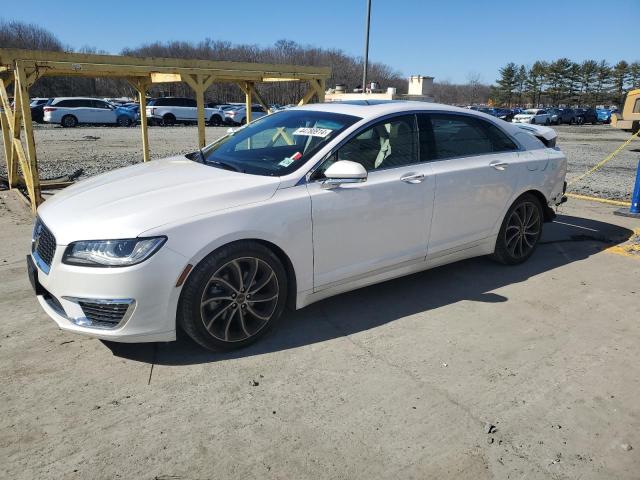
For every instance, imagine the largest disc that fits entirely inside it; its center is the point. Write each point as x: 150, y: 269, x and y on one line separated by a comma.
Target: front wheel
x: 124, y: 121
x: 520, y: 231
x: 233, y: 297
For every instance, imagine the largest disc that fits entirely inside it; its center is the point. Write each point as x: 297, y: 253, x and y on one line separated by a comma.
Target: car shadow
x: 568, y: 239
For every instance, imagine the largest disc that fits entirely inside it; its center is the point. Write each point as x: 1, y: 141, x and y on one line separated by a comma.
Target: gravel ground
x: 97, y: 149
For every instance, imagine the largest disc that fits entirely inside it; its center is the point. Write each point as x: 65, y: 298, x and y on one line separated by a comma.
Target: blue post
x: 634, y: 209
x: 635, y: 198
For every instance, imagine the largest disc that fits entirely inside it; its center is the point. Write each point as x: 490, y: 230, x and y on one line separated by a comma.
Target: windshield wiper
x: 226, y: 166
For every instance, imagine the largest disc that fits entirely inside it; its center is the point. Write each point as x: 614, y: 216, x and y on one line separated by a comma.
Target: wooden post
x: 31, y: 176
x: 321, y: 90
x: 248, y: 90
x: 201, y: 120
x: 199, y: 84
x: 140, y: 85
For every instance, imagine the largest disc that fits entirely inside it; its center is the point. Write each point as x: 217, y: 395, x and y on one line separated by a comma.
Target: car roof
x: 77, y: 98
x: 369, y: 109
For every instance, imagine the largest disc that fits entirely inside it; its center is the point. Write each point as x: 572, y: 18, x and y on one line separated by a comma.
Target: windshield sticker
x: 296, y: 156
x: 286, y: 162
x: 313, y: 132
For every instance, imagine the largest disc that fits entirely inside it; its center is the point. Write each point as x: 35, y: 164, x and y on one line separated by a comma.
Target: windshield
x: 276, y: 144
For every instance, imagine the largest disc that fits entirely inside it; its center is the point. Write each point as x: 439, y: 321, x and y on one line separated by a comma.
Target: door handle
x: 413, y: 178
x: 499, y: 165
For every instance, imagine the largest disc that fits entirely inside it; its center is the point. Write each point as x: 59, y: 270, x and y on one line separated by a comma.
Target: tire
x: 69, y: 121
x: 215, y: 120
x: 547, y: 122
x: 243, y: 121
x: 168, y: 120
x: 124, y: 121
x: 235, y: 319
x: 533, y: 121
x: 514, y: 245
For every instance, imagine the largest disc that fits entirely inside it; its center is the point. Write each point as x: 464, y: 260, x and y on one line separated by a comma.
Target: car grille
x: 43, y: 243
x: 104, y: 314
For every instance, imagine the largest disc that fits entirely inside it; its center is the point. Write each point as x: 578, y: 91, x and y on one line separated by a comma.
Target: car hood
x: 126, y: 202
x: 524, y: 115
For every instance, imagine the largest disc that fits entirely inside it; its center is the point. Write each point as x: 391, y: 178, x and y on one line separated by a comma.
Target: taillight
x: 48, y: 109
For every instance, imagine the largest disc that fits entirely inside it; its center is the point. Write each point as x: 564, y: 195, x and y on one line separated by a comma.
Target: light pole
x: 366, y: 49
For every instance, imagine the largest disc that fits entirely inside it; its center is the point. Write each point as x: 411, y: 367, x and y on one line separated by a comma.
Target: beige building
x: 420, y: 89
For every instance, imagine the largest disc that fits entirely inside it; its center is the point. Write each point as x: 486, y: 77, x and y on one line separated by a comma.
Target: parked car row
x: 73, y: 111
x: 549, y: 116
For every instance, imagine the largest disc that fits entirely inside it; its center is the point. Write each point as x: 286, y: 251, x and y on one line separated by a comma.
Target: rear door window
x: 448, y: 136
x: 459, y: 136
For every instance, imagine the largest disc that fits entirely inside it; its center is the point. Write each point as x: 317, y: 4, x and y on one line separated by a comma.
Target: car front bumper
x: 147, y: 290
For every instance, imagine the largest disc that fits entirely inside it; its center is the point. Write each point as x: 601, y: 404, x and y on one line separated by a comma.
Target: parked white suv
x: 72, y: 111
x: 533, y: 115
x: 297, y: 206
x: 238, y: 115
x: 172, y: 110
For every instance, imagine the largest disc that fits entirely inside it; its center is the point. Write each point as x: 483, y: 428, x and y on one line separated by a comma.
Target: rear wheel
x: 520, y: 231
x: 547, y: 122
x: 168, y: 120
x: 69, y: 121
x: 233, y: 297
x: 533, y: 121
x: 215, y: 120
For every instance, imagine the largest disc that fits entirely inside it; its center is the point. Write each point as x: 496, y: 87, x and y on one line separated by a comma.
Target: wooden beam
x: 141, y: 85
x: 248, y: 100
x: 7, y: 132
x: 78, y: 61
x: 32, y: 177
x: 260, y: 100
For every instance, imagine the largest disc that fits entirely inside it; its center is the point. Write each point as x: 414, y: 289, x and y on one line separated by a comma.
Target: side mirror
x: 344, y: 171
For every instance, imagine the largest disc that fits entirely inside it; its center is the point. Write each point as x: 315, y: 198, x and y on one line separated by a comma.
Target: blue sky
x: 446, y: 39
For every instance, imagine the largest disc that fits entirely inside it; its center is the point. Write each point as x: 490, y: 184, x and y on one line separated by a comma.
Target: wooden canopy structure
x: 23, y: 67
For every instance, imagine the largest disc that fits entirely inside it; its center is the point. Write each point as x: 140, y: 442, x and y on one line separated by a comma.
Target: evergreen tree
x: 507, y: 84
x: 620, y: 77
x: 603, y: 81
x: 634, y: 75
x: 588, y: 73
x: 521, y: 79
x: 535, y: 81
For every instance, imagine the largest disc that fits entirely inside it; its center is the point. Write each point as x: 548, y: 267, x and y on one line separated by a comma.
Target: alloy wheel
x: 523, y: 229
x: 239, y: 299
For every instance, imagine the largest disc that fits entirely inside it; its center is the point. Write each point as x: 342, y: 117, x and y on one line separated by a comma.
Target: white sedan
x: 295, y: 207
x: 533, y: 115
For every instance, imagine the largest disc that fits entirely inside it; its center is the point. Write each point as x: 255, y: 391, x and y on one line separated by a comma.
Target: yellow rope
x: 603, y: 162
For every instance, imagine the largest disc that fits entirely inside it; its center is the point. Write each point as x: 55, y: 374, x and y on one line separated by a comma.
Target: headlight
x: 111, y: 253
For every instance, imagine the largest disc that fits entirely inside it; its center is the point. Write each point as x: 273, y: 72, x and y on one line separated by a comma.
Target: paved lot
x: 392, y: 381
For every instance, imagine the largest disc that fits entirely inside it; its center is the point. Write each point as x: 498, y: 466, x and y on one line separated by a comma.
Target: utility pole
x: 366, y: 49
